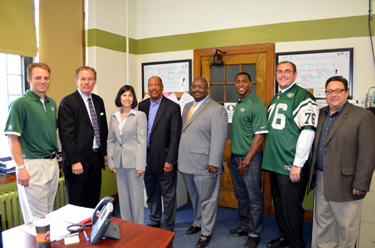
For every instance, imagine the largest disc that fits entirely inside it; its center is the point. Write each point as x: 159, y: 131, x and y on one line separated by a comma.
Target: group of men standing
x: 341, y: 168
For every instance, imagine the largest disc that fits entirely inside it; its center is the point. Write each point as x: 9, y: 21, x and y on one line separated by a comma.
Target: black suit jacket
x: 77, y: 133
x: 165, y: 133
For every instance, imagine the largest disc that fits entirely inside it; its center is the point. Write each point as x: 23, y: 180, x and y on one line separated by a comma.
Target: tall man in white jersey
x: 292, y: 119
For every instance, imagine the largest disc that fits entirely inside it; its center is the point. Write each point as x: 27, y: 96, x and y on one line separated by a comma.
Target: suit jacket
x: 203, y: 138
x: 77, y: 133
x: 129, y: 150
x: 165, y: 133
x: 348, y: 156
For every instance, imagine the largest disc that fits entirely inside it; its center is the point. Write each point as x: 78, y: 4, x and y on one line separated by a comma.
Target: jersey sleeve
x: 260, y: 119
x: 307, y: 112
x: 16, y: 119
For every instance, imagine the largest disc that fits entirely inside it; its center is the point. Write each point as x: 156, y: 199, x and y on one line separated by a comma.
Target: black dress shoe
x: 279, y: 242
x: 154, y: 225
x: 193, y: 229
x: 203, y: 241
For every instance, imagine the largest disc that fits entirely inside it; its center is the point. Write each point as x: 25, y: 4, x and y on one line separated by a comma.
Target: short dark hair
x: 285, y: 62
x: 161, y: 81
x: 339, y: 79
x: 244, y: 73
x: 202, y: 79
x: 121, y: 91
x: 85, y: 68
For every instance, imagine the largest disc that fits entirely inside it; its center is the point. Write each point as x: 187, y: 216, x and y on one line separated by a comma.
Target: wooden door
x: 259, y: 62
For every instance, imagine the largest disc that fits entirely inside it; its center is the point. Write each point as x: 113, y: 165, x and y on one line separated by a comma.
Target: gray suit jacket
x: 130, y: 150
x: 203, y: 138
x: 348, y: 156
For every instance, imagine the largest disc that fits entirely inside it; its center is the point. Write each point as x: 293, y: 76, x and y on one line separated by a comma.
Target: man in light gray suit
x: 342, y: 166
x: 200, y: 157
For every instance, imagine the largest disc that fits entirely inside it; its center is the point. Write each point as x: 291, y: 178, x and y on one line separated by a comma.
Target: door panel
x: 256, y: 59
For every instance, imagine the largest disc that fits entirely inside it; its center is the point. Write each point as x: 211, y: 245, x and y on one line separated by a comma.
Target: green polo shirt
x: 249, y: 118
x: 34, y: 123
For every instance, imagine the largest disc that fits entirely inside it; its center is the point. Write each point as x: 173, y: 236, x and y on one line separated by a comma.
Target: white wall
x: 170, y: 17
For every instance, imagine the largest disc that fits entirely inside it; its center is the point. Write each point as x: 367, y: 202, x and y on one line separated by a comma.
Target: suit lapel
x: 340, y: 120
x: 83, y: 108
x: 161, y: 109
x: 199, y: 110
x: 319, y: 128
x: 129, y: 119
x: 147, y: 107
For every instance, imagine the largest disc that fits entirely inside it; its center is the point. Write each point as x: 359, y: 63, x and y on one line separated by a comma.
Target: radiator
x: 10, y: 209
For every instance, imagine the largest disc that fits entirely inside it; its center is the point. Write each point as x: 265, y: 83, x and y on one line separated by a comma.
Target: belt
x: 52, y: 156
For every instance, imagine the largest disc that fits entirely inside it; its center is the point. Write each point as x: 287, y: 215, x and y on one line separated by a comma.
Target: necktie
x: 190, y: 113
x: 94, y: 120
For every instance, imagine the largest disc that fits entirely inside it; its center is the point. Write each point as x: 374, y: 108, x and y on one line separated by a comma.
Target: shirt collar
x: 84, y: 97
x: 246, y: 97
x: 157, y: 102
x: 282, y: 91
x: 36, y: 97
x: 338, y: 112
x: 201, y: 101
x: 118, y: 113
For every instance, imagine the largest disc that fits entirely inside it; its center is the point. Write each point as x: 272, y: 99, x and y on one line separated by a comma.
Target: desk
x: 132, y: 235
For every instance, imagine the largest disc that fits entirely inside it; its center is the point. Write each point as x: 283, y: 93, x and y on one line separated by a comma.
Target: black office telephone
x: 101, y: 223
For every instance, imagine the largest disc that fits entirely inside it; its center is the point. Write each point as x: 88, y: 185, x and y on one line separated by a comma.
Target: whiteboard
x: 315, y: 67
x: 176, y: 75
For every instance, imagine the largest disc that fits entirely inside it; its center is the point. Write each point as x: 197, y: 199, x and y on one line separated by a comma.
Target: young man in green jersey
x: 292, y: 119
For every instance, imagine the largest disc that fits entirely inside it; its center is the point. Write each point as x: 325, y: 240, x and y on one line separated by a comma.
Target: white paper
x: 9, y: 164
x: 185, y: 98
x: 229, y: 107
x: 71, y: 213
x: 173, y: 98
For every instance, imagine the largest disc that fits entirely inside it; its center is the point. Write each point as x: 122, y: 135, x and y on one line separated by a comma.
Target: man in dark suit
x: 163, y: 137
x: 342, y: 166
x: 204, y: 133
x: 83, y: 134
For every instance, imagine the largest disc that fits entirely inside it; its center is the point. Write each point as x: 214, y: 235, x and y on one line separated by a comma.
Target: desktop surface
x: 131, y: 235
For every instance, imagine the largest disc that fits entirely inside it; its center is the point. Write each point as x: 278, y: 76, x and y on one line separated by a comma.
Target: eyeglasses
x: 197, y: 87
x: 337, y: 91
x: 286, y: 72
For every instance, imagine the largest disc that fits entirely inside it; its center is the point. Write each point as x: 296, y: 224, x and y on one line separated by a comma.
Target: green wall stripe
x: 345, y: 27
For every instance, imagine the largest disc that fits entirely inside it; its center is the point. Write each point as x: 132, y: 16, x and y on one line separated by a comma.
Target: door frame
x: 269, y: 50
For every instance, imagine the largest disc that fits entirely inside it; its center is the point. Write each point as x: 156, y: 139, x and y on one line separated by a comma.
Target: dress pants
x: 38, y: 198
x: 157, y: 186
x: 130, y: 191
x: 84, y: 189
x: 288, y: 198
x: 337, y: 223
x: 204, y: 195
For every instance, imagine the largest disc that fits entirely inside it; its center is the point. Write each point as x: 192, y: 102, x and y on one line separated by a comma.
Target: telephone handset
x: 100, y: 223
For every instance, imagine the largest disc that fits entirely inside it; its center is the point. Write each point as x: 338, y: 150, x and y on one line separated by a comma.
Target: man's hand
x: 358, y: 192
x: 167, y: 167
x: 105, y: 160
x: 140, y: 173
x: 212, y: 169
x: 243, y: 167
x: 113, y: 169
x: 77, y: 168
x: 23, y: 177
x: 295, y: 173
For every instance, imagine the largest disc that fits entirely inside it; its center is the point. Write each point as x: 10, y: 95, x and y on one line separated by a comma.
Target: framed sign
x: 315, y: 67
x: 176, y: 75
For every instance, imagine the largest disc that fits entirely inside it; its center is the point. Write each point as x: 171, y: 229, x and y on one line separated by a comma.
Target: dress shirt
x: 151, y: 117
x: 121, y: 123
x: 304, y: 143
x: 197, y: 106
x: 85, y: 98
x: 329, y: 120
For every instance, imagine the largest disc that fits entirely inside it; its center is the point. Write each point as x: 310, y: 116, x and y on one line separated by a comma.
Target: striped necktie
x: 190, y: 113
x: 94, y: 120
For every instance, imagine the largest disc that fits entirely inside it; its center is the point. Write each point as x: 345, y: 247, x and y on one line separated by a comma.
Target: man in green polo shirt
x: 31, y: 130
x: 245, y: 163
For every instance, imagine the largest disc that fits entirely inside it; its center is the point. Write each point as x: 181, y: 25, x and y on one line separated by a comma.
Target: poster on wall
x: 315, y: 67
x: 176, y: 75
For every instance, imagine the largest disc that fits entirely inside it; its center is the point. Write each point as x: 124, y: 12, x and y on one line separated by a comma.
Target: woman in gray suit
x: 126, y: 153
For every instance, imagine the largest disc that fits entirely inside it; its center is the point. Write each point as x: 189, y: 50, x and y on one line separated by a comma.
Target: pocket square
x: 101, y: 114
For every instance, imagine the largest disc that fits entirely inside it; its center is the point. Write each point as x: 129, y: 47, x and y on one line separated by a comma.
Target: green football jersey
x: 288, y: 114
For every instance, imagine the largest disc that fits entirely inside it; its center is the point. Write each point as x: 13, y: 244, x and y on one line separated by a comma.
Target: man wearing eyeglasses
x: 292, y: 119
x: 342, y: 166
x: 200, y: 157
